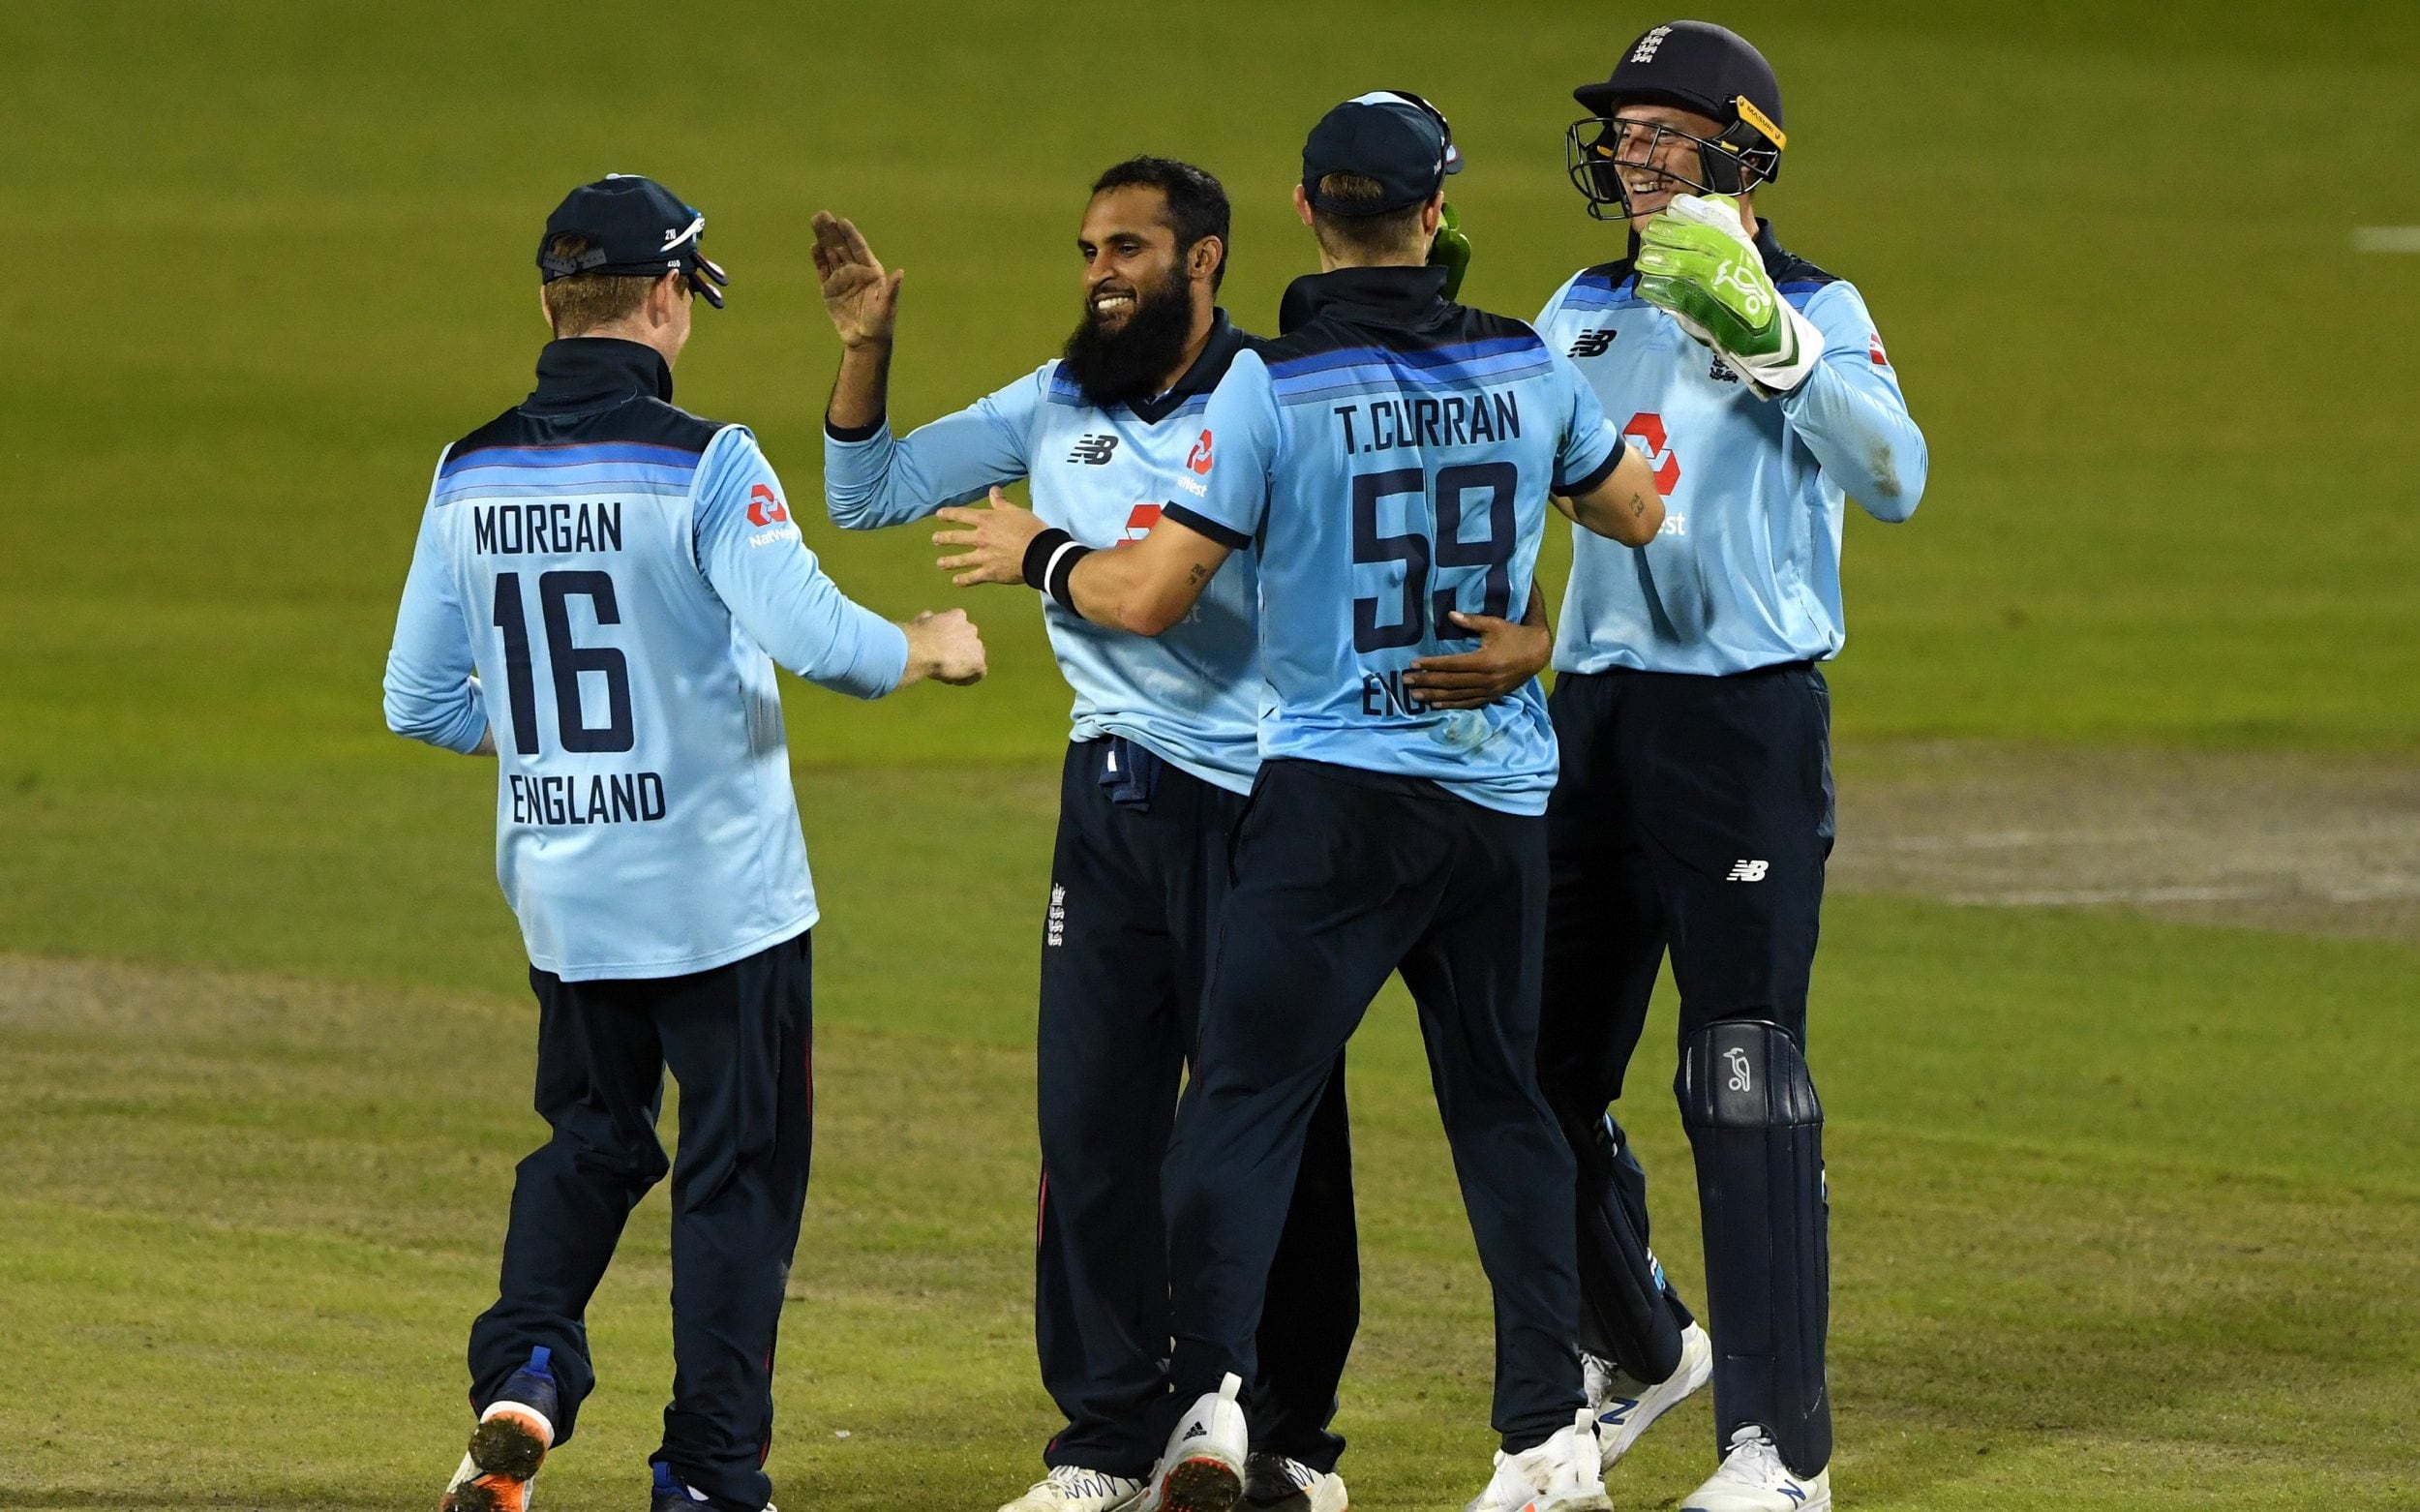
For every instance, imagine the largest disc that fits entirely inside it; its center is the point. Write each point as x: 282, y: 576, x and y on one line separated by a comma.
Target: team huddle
x: 1291, y: 582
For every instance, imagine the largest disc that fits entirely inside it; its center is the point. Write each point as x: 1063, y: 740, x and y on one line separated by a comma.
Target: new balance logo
x: 1093, y: 450
x: 1748, y: 870
x: 1594, y: 343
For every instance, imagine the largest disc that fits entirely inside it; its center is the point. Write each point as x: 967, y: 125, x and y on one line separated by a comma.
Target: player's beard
x: 1136, y: 360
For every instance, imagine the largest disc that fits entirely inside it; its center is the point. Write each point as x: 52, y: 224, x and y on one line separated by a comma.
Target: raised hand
x: 1698, y: 264
x: 862, y: 299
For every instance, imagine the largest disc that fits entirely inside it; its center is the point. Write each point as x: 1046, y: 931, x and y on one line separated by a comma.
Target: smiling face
x: 1656, y: 165
x: 1129, y: 252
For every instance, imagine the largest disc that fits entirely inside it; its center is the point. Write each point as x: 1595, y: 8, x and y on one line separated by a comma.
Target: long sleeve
x: 874, y: 479
x: 753, y: 556
x: 431, y: 688
x: 1851, y: 415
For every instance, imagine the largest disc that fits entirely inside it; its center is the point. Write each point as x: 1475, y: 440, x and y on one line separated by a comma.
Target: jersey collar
x: 584, y: 372
x: 1394, y: 295
x: 1225, y: 340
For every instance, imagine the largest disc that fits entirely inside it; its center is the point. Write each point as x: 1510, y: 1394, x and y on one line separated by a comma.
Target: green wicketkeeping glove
x: 1697, y: 262
x: 1451, y: 251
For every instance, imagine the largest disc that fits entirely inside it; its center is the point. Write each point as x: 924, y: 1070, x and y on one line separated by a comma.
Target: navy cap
x: 636, y: 227
x: 1391, y: 135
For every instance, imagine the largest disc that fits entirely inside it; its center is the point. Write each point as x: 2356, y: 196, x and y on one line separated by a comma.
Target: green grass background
x: 2126, y: 1211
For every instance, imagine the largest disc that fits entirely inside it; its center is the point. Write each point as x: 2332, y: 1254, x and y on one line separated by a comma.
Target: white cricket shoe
x: 1274, y: 1483
x: 1070, y: 1487
x: 1625, y: 1407
x: 1753, y: 1479
x: 1202, y: 1467
x: 1560, y: 1475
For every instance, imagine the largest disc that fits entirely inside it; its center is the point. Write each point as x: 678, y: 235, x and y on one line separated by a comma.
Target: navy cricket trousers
x: 1694, y: 819
x: 1138, y: 879
x: 1342, y: 877
x: 738, y: 1040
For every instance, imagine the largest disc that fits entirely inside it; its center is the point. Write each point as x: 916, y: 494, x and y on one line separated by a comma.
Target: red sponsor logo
x: 1873, y: 348
x: 1198, y: 458
x: 1647, y: 428
x: 763, y: 508
x: 1138, y: 523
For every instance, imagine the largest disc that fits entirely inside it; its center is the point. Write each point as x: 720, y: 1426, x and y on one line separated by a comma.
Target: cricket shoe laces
x: 1202, y: 1467
x: 1754, y: 1479
x: 1276, y: 1483
x: 1560, y: 1475
x: 1626, y: 1406
x: 514, y: 1433
x: 1072, y: 1488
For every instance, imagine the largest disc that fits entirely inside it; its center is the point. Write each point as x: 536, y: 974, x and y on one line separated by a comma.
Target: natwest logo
x: 1198, y: 458
x: 1647, y: 427
x: 763, y: 508
x: 1138, y: 523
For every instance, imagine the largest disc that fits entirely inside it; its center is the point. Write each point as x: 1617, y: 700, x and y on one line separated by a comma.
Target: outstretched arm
x: 1143, y: 588
x: 780, y: 595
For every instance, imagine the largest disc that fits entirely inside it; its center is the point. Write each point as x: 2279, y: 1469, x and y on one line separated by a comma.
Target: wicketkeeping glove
x: 1697, y: 262
x: 1451, y: 251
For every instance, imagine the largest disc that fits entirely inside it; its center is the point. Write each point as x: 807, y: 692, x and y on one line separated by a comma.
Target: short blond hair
x: 584, y: 301
x: 1385, y: 234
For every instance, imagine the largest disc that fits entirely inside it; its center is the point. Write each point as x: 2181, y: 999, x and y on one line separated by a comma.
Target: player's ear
x: 1202, y: 260
x: 1302, y: 204
x: 664, y: 299
x: 1433, y: 214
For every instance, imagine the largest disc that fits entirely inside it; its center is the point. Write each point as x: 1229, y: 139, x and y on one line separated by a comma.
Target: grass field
x: 2127, y: 1209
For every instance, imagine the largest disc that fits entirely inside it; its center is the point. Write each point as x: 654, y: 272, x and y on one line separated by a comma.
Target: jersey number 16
x: 565, y: 660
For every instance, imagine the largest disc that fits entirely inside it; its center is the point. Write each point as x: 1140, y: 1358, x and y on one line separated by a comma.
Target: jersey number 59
x: 1419, y: 610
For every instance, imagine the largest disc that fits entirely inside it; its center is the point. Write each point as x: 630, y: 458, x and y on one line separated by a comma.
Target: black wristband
x: 1050, y: 559
x: 1038, y: 555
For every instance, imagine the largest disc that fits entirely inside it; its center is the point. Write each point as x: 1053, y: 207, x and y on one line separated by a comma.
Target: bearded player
x: 1694, y: 813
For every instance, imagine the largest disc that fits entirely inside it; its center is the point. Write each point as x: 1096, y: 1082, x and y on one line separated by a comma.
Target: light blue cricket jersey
x: 1746, y: 573
x: 1390, y: 460
x: 1192, y: 695
x: 615, y: 571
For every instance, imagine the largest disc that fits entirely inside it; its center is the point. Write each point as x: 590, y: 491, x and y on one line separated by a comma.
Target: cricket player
x: 1390, y: 462
x: 1159, y: 762
x: 601, y: 587
x: 1695, y: 811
